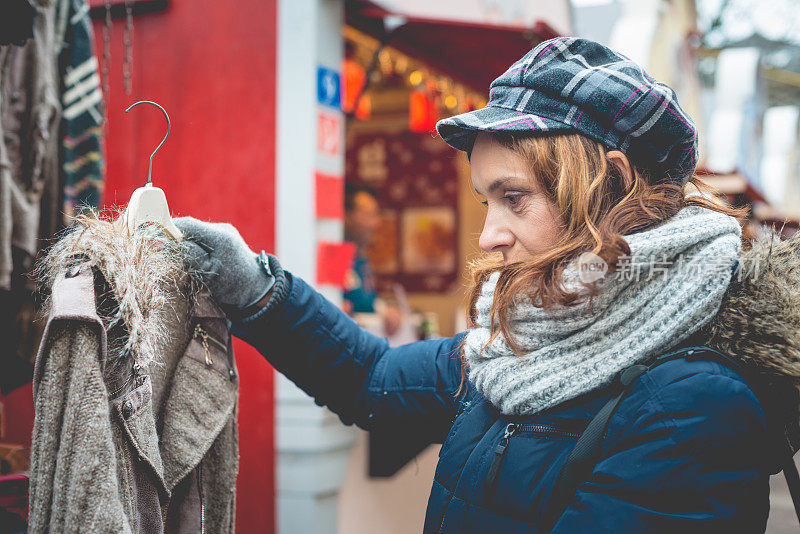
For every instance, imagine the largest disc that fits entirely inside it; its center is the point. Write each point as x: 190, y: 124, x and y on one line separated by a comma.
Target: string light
x: 415, y: 78
x: 402, y: 64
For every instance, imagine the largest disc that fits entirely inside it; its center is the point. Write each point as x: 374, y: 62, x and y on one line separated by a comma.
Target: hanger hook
x: 164, y: 111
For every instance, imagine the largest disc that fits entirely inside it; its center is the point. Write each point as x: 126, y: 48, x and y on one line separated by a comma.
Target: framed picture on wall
x: 429, y: 235
x: 415, y: 178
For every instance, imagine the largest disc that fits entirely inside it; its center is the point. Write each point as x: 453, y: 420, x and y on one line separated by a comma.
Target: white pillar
x: 312, y: 445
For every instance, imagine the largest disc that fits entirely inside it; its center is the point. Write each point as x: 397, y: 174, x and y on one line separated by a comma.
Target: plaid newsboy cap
x: 578, y: 85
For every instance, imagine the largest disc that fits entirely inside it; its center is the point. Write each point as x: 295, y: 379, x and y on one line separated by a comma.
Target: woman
x: 597, y: 259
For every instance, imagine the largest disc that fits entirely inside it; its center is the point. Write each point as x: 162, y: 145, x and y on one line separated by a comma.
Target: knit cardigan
x: 121, y: 448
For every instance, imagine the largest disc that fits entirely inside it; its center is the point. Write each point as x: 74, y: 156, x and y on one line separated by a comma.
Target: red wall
x: 212, y: 66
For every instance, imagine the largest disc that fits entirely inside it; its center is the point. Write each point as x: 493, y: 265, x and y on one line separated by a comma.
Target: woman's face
x: 521, y: 221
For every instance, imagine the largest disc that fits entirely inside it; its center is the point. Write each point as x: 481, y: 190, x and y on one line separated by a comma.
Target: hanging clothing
x: 81, y: 96
x: 114, y: 444
x: 57, y: 65
x: 29, y: 183
x: 50, y: 163
x: 29, y: 149
x: 135, y: 392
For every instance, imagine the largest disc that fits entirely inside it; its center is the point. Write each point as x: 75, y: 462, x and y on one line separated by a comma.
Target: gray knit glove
x: 232, y: 272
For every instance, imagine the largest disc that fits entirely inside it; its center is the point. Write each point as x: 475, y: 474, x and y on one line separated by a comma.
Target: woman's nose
x: 495, y: 236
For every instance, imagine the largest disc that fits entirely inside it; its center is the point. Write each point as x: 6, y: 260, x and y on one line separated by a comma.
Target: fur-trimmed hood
x: 758, y: 326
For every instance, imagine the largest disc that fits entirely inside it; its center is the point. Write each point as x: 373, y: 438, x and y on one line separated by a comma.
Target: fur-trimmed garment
x: 671, y: 285
x: 135, y: 391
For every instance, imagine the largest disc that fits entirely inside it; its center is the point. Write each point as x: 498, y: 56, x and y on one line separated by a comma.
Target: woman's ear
x: 623, y: 165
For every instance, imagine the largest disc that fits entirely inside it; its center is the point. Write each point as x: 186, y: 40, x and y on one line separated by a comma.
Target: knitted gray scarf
x: 683, y: 267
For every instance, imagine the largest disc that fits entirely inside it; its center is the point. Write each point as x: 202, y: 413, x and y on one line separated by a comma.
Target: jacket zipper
x: 202, y: 503
x: 547, y: 431
x: 499, y: 454
x: 461, y: 408
x: 511, y: 429
x: 204, y: 337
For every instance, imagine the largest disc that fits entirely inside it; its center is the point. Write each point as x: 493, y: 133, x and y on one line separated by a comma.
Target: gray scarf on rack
x: 669, y: 287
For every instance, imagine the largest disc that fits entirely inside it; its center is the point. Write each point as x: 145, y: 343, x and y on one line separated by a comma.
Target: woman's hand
x: 233, y: 273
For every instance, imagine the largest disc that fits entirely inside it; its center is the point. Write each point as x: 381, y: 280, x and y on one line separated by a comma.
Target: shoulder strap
x: 586, y: 452
x: 583, y: 457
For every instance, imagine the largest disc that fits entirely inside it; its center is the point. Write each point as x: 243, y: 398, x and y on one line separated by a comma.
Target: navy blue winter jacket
x: 683, y: 453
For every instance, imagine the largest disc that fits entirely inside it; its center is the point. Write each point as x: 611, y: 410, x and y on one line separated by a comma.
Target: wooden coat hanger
x: 148, y: 204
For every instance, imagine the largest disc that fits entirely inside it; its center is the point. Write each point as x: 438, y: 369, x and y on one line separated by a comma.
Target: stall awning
x: 731, y: 184
x: 469, y: 53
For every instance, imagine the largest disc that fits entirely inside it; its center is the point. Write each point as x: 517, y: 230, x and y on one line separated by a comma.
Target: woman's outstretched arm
x: 354, y: 373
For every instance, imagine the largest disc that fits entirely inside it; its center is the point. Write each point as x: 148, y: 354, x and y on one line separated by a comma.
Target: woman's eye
x: 512, y: 199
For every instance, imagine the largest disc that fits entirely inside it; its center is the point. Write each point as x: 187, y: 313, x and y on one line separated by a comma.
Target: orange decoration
x: 422, y: 112
x: 354, y: 79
